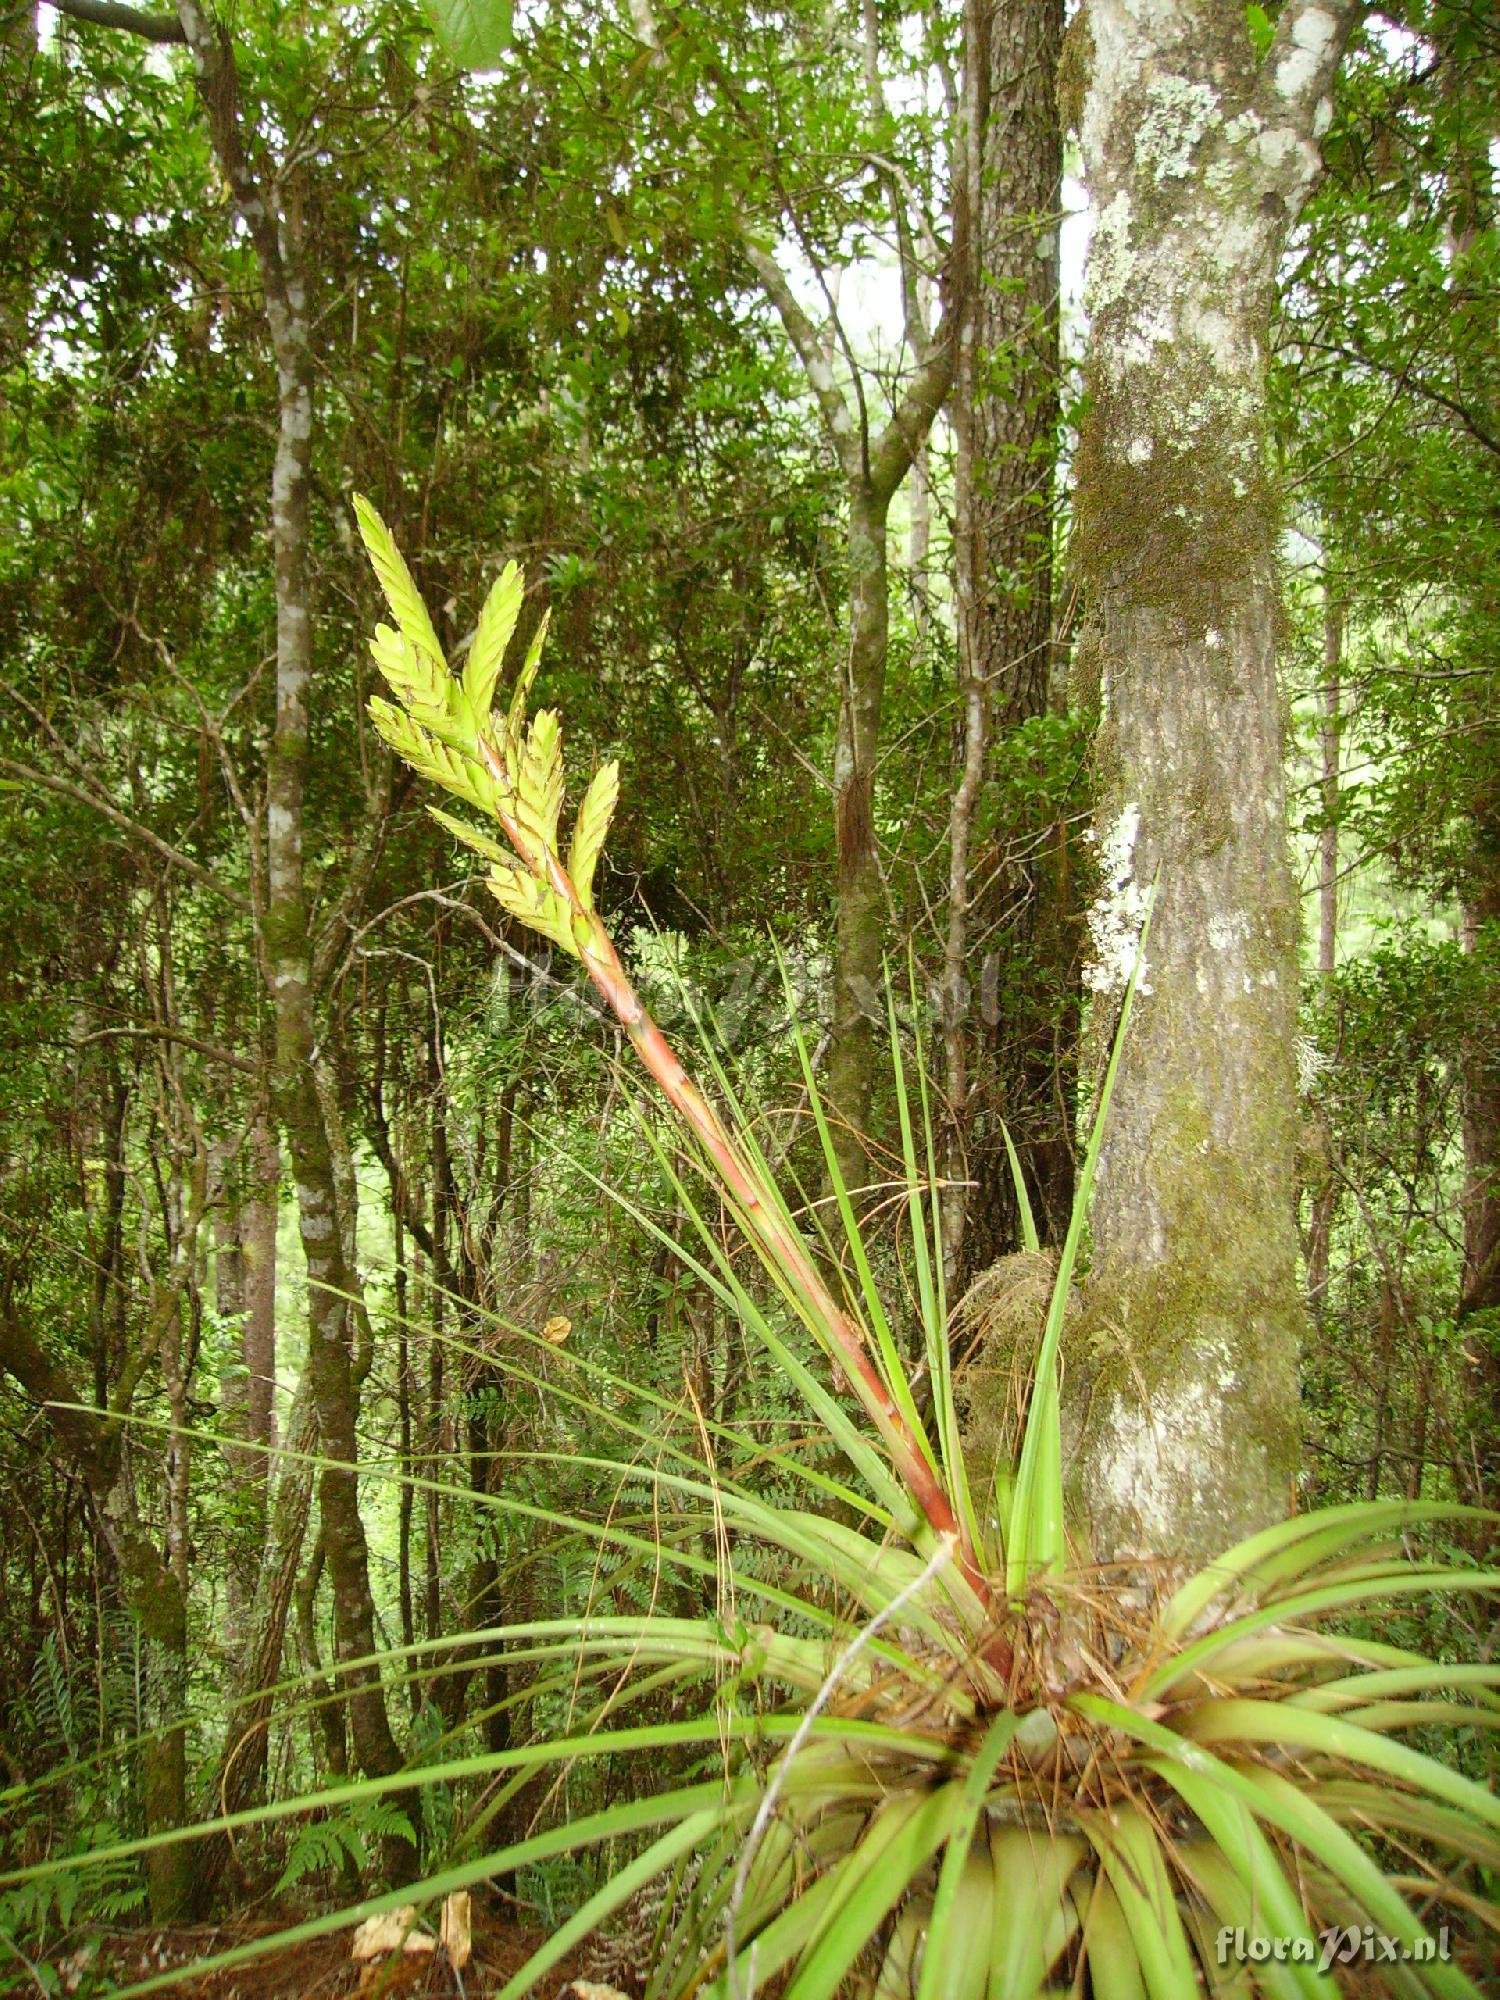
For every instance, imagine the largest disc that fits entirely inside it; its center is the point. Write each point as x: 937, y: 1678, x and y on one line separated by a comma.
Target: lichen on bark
x: 1181, y: 1378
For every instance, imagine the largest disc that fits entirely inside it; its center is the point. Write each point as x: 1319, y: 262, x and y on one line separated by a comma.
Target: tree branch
x: 810, y: 352
x: 916, y: 325
x: 338, y: 927
x: 1298, y: 72
x: 65, y: 788
x: 896, y: 447
x: 82, y: 1433
x: 219, y: 87
x: 111, y: 14
x: 158, y: 1034
x: 402, y: 1197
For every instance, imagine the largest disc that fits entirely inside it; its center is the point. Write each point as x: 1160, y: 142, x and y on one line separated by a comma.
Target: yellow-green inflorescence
x: 445, y: 727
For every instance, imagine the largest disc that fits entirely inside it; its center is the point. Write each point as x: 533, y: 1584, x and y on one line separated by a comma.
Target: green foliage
x: 532, y: 332
x: 474, y: 33
x: 352, y: 1834
x: 1262, y: 30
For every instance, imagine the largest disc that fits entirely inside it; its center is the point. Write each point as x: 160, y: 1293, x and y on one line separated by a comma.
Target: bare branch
x: 106, y: 809
x: 890, y: 173
x: 811, y: 353
x: 163, y: 1034
x: 329, y: 946
x: 896, y: 447
x: 111, y: 14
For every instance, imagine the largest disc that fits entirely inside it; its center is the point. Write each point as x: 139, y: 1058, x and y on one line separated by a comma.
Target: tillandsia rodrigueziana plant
x: 446, y: 729
x: 1019, y: 1785
x: 939, y: 1761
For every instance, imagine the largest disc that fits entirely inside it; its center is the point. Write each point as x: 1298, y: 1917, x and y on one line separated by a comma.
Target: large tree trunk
x: 1184, y: 1370
x: 1001, y: 1065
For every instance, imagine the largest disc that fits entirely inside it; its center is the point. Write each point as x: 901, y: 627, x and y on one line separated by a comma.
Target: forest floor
x: 320, y: 1968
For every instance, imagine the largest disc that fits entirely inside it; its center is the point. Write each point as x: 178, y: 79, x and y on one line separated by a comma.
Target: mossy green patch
x: 1176, y: 508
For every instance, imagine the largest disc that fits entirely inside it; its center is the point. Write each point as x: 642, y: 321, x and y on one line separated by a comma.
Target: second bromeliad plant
x: 953, y: 1769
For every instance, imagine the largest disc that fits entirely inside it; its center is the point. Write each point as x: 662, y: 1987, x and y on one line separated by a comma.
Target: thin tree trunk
x: 1480, y: 1070
x: 1183, y: 1369
x: 239, y: 1781
x: 245, y: 1466
x: 258, y: 1248
x: 1480, y: 1058
x: 327, y: 1712
x: 859, y: 918
x: 1002, y: 1066
x: 107, y: 1295
x: 873, y: 466
x: 403, y: 1418
x: 270, y: 212
x: 918, y: 554
x: 1325, y: 1190
x: 1329, y: 727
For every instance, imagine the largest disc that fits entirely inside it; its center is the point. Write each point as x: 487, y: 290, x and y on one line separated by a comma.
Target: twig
x: 65, y: 788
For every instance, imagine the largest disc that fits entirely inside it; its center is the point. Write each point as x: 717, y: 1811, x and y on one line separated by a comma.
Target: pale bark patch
x: 1156, y: 1466
x: 1304, y: 62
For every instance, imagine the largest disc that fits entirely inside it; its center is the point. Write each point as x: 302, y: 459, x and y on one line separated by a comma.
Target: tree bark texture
x: 1183, y: 1371
x: 1005, y: 409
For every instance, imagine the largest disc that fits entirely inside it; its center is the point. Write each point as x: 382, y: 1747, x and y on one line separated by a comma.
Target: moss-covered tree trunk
x: 1199, y: 152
